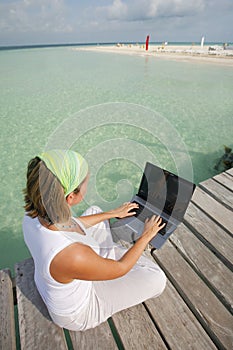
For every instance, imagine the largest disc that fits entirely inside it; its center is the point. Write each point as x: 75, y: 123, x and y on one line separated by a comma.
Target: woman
x: 81, y: 274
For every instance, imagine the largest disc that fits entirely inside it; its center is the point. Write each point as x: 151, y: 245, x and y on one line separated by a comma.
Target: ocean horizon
x: 51, y: 45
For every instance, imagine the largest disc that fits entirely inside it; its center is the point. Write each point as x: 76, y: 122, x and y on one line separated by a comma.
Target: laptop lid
x: 167, y: 192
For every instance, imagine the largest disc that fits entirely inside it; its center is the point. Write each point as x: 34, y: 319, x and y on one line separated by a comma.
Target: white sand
x: 179, y: 53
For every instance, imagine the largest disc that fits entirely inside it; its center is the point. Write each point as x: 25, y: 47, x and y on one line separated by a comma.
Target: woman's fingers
x: 153, y: 225
x: 131, y: 206
x: 155, y: 220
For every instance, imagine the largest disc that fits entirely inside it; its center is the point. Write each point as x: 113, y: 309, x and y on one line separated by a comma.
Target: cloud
x: 56, y: 21
x: 34, y: 16
x: 140, y: 10
x: 117, y: 10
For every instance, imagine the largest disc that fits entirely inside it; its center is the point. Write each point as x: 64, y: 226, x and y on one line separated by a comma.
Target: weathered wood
x: 218, y: 192
x: 37, y: 331
x: 177, y: 323
x: 7, y: 322
x: 214, y: 209
x: 230, y: 171
x: 99, y: 338
x: 206, y: 264
x: 224, y: 179
x: 217, y: 238
x: 215, y: 318
x: 136, y: 329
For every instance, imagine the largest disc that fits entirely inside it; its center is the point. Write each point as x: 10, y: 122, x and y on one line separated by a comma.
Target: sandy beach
x: 206, y: 54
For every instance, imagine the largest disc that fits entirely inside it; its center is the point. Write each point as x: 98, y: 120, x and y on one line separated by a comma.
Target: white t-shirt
x: 44, y: 244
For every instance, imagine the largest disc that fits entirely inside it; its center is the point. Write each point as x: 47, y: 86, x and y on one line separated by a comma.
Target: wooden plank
x: 136, y: 329
x: 225, y: 179
x: 7, y: 322
x: 97, y: 338
x: 37, y: 331
x: 219, y: 241
x: 214, y: 317
x: 218, y: 192
x: 206, y: 264
x: 214, y: 209
x: 230, y: 171
x: 177, y: 323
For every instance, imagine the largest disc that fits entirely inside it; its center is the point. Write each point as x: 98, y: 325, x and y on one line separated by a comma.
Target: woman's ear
x: 70, y: 198
x: 73, y: 198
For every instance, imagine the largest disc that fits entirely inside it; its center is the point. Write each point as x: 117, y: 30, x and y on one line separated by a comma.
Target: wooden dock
x: 194, y: 312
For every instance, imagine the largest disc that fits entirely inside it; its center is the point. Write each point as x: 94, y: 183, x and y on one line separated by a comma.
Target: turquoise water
x: 40, y: 88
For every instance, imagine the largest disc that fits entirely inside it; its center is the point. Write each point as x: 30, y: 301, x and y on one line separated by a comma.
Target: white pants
x: 145, y: 280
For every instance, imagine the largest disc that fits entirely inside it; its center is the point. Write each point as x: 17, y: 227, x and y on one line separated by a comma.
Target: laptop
x: 160, y: 193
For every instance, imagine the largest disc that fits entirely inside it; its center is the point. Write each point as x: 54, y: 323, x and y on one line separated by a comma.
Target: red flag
x: 147, y: 42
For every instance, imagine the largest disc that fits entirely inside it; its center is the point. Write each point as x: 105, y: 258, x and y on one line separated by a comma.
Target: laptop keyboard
x: 147, y: 213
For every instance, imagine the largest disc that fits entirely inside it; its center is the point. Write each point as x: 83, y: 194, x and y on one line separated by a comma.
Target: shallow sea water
x: 40, y: 88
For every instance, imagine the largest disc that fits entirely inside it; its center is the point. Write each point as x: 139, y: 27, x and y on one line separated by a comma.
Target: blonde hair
x: 44, y: 194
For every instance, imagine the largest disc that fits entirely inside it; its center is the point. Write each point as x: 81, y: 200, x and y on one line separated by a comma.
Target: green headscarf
x: 68, y: 166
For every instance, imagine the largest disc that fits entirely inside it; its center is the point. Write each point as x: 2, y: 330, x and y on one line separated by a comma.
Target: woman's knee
x: 94, y: 209
x: 159, y: 283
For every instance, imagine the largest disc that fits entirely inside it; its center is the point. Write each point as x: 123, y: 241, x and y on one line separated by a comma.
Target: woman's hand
x: 152, y: 226
x: 120, y: 212
x: 125, y: 210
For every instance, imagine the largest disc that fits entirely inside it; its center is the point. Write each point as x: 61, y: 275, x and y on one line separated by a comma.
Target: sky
x: 28, y: 22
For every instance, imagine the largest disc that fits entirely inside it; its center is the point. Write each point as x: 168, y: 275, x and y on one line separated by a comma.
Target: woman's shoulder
x: 29, y: 221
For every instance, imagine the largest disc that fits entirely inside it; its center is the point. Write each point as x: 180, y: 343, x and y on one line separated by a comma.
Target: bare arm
x: 121, y: 212
x: 79, y: 261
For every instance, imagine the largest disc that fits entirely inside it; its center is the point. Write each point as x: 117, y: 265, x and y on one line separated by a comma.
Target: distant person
x: 81, y: 274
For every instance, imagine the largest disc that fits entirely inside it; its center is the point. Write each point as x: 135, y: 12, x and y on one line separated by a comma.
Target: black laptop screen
x: 166, y: 191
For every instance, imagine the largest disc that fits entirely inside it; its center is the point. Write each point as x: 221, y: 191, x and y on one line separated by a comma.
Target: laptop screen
x: 166, y: 191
